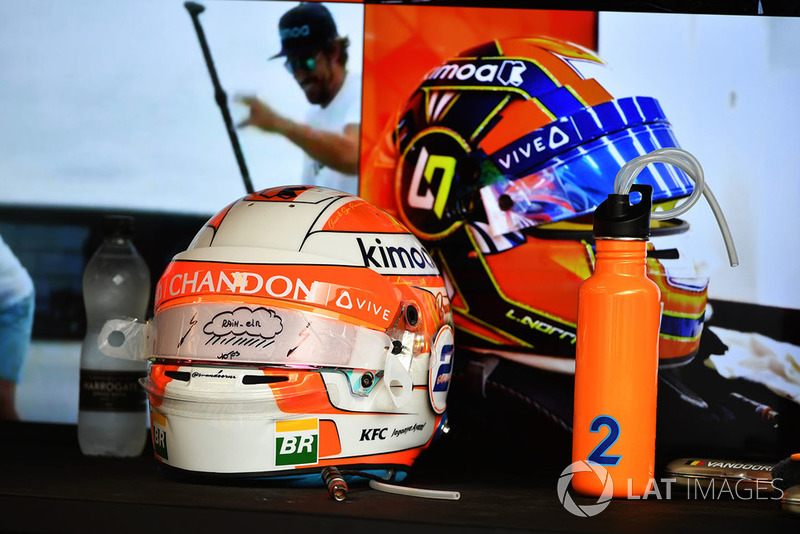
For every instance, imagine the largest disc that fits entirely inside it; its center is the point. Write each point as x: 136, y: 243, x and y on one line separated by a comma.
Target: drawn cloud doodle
x: 261, y: 322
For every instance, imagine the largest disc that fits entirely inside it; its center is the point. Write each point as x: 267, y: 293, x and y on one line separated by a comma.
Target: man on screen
x: 16, y: 321
x: 316, y: 56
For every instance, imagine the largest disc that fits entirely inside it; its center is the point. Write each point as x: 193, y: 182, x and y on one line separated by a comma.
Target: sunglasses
x: 308, y: 64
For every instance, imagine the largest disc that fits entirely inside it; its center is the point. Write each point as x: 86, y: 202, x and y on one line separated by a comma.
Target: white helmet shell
x: 302, y: 328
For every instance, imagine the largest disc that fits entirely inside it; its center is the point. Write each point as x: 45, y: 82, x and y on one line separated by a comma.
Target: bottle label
x: 111, y: 391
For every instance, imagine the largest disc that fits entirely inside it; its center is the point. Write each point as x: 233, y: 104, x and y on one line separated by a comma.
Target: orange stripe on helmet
x: 215, y: 221
x: 159, y: 380
x: 357, y: 215
x: 329, y: 442
x: 518, y: 118
x: 468, y: 324
x: 548, y: 55
x: 278, y: 194
x: 405, y: 458
x: 356, y: 292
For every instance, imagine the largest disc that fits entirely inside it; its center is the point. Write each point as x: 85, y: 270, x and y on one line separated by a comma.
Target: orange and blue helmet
x: 497, y: 161
x: 515, y: 122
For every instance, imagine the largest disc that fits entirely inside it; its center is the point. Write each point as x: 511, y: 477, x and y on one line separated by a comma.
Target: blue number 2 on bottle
x: 598, y: 455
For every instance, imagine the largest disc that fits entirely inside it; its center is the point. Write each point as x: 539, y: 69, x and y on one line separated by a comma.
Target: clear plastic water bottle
x: 112, y: 414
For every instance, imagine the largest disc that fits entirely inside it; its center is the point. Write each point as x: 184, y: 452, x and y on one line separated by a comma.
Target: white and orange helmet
x: 302, y: 328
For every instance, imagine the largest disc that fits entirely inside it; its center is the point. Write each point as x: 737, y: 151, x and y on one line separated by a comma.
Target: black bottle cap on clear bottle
x: 616, y: 218
x: 118, y: 226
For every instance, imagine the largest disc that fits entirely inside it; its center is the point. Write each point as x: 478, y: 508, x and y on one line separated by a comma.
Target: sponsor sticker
x: 490, y: 72
x: 343, y: 288
x: 158, y: 426
x: 296, y: 442
x: 111, y: 391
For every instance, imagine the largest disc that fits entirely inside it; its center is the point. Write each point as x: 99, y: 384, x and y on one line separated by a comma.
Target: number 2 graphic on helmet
x: 598, y: 455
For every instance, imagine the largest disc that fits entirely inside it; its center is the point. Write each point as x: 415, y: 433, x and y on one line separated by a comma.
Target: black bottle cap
x: 615, y: 217
x: 118, y: 226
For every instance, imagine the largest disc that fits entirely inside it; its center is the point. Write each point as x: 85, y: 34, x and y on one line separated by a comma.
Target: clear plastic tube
x: 688, y: 164
x: 415, y: 492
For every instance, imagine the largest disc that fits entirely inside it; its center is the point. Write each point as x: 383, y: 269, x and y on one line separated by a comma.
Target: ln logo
x: 428, y: 167
x: 296, y: 442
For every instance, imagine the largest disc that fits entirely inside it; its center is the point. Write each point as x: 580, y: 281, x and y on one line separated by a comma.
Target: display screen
x: 109, y: 107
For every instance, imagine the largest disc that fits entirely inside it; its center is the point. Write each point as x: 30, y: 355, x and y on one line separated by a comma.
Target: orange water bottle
x: 616, y: 361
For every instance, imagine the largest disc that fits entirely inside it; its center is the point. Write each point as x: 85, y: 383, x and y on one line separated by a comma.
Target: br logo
x: 296, y: 442
x: 586, y: 510
x: 430, y: 170
x: 158, y: 427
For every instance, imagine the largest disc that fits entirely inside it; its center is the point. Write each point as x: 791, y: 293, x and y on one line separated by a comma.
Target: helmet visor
x: 270, y: 335
x: 576, y: 182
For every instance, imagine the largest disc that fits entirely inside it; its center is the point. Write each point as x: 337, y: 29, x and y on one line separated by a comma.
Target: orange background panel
x: 403, y: 42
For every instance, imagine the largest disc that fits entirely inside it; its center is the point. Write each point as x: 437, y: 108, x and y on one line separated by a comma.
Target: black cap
x: 615, y: 217
x: 118, y: 226
x: 305, y: 29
